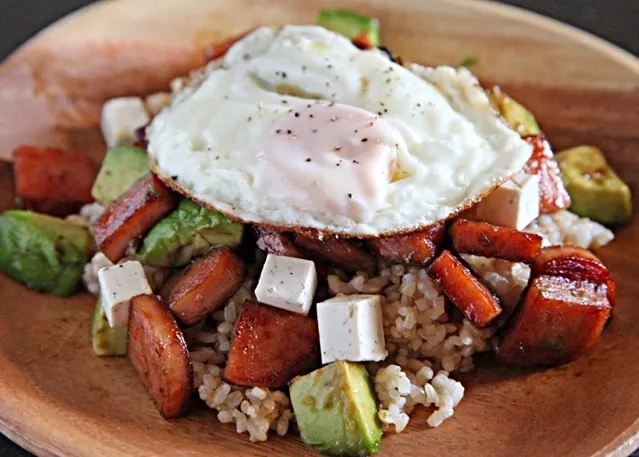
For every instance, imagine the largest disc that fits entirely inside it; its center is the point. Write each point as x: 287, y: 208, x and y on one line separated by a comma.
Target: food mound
x: 310, y: 231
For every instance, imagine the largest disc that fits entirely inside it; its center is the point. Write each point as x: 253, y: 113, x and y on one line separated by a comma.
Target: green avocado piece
x: 336, y: 410
x: 596, y: 191
x: 189, y: 231
x: 107, y: 341
x: 43, y: 252
x: 350, y: 24
x: 122, y: 166
x: 516, y: 115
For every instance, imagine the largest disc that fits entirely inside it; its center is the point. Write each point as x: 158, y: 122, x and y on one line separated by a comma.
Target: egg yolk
x: 323, y: 157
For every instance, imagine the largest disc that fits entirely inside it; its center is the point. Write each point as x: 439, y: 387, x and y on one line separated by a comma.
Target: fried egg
x: 296, y: 127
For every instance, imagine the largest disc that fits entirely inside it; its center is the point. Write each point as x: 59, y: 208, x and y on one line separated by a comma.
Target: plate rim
x: 628, y: 440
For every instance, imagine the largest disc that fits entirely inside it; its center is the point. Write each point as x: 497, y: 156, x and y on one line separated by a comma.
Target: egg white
x: 438, y: 145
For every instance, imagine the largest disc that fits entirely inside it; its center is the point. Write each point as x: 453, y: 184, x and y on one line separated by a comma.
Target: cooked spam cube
x: 53, y: 181
x: 281, y: 243
x: 205, y: 285
x: 464, y: 289
x: 556, y: 322
x: 344, y: 253
x: 577, y: 264
x: 350, y: 328
x: 287, y: 283
x: 552, y: 193
x: 275, y: 242
x: 514, y: 204
x: 118, y: 285
x: 417, y: 247
x: 132, y: 215
x: 120, y: 118
x: 271, y: 346
x: 487, y: 240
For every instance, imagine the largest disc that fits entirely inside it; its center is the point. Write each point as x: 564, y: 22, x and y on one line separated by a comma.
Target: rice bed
x: 425, y: 347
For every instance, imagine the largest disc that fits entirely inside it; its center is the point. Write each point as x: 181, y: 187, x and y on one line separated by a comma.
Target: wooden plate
x: 58, y: 399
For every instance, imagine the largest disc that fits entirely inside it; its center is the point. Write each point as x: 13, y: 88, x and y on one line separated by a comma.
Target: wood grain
x: 58, y: 399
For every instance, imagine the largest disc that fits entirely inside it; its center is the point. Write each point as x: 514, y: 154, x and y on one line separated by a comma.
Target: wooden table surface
x: 615, y: 20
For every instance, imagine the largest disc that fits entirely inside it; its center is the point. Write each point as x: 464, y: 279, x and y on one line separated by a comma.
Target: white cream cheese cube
x: 350, y: 328
x: 513, y: 204
x: 287, y: 283
x: 120, y: 119
x: 118, y: 285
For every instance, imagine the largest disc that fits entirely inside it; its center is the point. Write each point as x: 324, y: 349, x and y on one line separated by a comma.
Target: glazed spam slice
x: 271, y: 346
x: 132, y: 215
x: 52, y: 180
x: 205, y: 285
x: 557, y: 320
x: 553, y: 196
x: 278, y: 243
x: 478, y: 304
x: 577, y: 264
x: 343, y: 253
x: 418, y: 247
x: 487, y: 240
x: 158, y: 352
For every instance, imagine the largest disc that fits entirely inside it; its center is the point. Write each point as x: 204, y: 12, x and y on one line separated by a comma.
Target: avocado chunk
x: 122, y: 166
x: 596, y: 191
x: 107, y: 341
x: 189, y: 231
x: 352, y: 25
x: 336, y: 410
x: 515, y: 114
x: 45, y: 253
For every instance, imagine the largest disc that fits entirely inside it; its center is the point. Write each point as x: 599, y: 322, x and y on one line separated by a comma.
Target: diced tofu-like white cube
x: 513, y: 204
x: 350, y: 328
x: 120, y: 119
x: 157, y: 102
x: 287, y: 283
x: 118, y: 285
